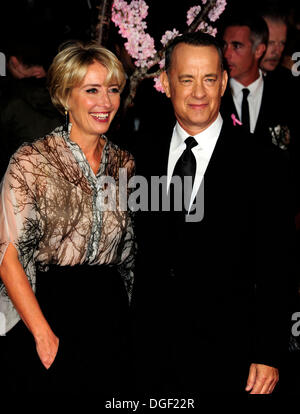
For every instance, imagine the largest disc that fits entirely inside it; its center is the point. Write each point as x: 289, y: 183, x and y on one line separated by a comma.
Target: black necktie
x: 245, y: 109
x: 186, y: 165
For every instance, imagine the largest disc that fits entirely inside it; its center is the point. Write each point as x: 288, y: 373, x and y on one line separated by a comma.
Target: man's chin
x: 271, y: 65
x: 233, y: 73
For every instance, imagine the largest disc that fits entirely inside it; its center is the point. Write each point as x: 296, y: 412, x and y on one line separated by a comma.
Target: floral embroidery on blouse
x: 51, y: 211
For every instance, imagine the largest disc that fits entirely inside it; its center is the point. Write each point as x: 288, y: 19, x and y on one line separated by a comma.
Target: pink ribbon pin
x: 235, y: 120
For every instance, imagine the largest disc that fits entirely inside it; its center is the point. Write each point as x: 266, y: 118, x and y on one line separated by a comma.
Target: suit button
x: 172, y: 272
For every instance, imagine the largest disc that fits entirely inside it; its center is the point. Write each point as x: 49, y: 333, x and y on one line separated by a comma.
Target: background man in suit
x: 250, y: 95
x: 277, y: 39
x: 286, y: 86
x: 271, y: 105
x: 209, y: 294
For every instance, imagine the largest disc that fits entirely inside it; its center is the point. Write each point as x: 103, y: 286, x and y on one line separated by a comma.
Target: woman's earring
x: 66, y: 125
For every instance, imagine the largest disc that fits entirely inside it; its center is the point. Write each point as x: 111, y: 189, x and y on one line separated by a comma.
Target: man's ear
x: 260, y: 50
x: 164, y: 80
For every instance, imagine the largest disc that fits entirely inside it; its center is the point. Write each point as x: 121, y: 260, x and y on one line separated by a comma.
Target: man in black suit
x: 208, y: 301
x: 277, y: 27
x: 252, y: 96
x: 270, y: 106
x: 286, y: 85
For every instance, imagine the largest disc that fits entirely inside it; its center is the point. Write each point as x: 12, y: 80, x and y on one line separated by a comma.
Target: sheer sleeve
x: 126, y: 267
x: 17, y: 218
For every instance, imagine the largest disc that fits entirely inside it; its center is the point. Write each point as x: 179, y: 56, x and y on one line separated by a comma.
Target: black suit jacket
x: 275, y: 108
x: 214, y: 290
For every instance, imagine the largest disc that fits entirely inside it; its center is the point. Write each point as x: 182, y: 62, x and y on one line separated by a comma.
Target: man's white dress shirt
x: 254, y: 98
x: 206, y: 140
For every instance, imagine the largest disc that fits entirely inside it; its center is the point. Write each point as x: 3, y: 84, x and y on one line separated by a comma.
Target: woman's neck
x: 92, y: 148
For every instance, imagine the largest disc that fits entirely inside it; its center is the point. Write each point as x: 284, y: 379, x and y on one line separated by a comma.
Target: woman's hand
x: 47, y: 347
x: 20, y: 292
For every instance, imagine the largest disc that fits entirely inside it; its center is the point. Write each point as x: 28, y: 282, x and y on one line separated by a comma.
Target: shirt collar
x: 80, y: 156
x: 66, y: 135
x: 236, y: 87
x: 212, y: 131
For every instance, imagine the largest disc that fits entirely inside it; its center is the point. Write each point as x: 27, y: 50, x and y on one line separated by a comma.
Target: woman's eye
x: 92, y: 90
x: 114, y: 89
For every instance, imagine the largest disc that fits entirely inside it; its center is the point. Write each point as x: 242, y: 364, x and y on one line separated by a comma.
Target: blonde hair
x: 70, y: 66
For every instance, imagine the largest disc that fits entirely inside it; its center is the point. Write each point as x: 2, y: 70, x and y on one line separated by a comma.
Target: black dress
x: 93, y: 331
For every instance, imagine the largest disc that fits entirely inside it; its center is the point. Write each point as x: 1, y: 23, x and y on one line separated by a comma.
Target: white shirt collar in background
x: 254, y: 98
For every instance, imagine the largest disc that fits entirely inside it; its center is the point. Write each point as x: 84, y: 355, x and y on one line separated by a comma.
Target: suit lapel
x: 227, y: 105
x: 218, y: 164
x: 261, y: 119
x: 163, y: 150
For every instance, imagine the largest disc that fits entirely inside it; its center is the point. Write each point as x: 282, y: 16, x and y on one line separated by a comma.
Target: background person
x: 277, y: 40
x: 26, y: 110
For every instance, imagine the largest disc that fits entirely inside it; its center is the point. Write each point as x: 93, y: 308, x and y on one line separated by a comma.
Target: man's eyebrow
x: 211, y: 75
x: 192, y: 76
x: 185, y: 75
x: 237, y: 43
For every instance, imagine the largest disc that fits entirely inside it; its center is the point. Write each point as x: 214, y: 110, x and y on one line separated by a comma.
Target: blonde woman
x: 66, y: 258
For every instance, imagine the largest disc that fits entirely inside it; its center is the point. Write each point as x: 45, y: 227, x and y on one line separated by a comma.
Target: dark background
x: 53, y: 21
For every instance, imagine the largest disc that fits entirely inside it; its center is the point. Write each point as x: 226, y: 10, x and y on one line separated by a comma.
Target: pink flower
x: 216, y: 11
x: 162, y: 63
x: 213, y: 15
x: 211, y: 30
x: 130, y: 20
x: 168, y: 36
x: 157, y: 85
x: 192, y: 13
x: 130, y: 17
x: 206, y: 28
